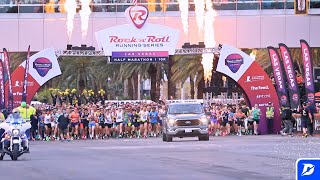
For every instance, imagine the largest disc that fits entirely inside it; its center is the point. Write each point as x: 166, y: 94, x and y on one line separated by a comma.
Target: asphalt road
x: 221, y: 158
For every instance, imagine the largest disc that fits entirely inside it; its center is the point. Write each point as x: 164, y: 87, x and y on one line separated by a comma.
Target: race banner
x: 43, y: 66
x: 137, y: 36
x: 25, y: 81
x: 6, y: 64
x: 291, y: 76
x: 138, y: 56
x: 254, y: 81
x: 2, y: 97
x: 278, y: 77
x: 308, y: 70
x: 301, y: 7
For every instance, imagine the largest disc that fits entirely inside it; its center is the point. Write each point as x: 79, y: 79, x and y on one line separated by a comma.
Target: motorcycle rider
x: 26, y: 111
x: 14, y: 117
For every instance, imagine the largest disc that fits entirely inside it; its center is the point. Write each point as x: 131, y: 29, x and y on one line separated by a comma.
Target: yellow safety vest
x: 270, y: 112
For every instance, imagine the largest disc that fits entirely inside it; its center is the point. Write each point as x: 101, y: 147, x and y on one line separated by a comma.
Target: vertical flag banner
x: 25, y: 81
x: 278, y: 77
x: 291, y: 76
x: 301, y: 7
x: 308, y: 70
x: 43, y: 66
x: 6, y: 64
x: 2, y: 90
x: 254, y: 81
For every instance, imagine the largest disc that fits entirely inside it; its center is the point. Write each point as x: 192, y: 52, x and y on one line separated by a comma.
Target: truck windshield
x: 185, y: 109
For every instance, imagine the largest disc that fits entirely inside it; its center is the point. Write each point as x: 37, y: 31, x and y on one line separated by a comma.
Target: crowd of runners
x: 130, y: 120
x: 141, y: 120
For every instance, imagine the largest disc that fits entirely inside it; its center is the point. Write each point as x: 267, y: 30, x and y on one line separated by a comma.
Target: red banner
x: 6, y: 64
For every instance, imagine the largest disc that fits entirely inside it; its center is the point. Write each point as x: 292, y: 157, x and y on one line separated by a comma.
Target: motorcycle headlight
x: 172, y: 122
x: 204, y: 120
x: 15, y: 132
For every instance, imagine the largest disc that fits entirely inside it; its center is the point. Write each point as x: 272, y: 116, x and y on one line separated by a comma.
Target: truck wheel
x: 169, y: 139
x: 164, y: 137
x: 204, y: 138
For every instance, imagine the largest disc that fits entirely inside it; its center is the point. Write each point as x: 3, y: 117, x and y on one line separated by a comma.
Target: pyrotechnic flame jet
x: 84, y: 14
x: 199, y: 10
x: 71, y: 9
x: 184, y: 12
x: 209, y: 40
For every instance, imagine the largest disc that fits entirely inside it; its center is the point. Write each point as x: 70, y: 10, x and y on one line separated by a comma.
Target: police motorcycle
x: 15, y: 142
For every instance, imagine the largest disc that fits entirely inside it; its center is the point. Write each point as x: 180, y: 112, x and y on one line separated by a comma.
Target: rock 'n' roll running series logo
x: 42, y: 66
x: 138, y: 15
x: 234, y: 62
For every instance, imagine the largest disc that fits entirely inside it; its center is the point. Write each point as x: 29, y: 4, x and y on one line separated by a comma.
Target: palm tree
x: 189, y: 67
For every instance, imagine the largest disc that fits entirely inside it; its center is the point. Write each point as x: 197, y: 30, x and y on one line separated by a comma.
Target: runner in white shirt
x: 47, y: 124
x: 119, y: 120
x: 144, y: 121
x: 108, y: 123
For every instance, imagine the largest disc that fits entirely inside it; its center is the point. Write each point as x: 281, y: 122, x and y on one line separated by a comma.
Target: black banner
x: 25, y: 81
x: 2, y: 92
x: 138, y: 59
x: 6, y: 63
x: 291, y: 76
x: 280, y: 83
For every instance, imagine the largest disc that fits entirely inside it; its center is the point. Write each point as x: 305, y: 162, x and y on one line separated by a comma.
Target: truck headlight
x: 15, y: 132
x: 171, y: 122
x: 204, y: 120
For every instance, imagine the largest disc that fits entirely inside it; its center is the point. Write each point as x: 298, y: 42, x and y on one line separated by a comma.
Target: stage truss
x: 89, y: 53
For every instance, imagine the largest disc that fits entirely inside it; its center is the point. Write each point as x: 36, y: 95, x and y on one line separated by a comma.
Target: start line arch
x: 237, y: 65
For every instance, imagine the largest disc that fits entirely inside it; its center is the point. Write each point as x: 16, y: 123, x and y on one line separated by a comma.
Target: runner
x: 75, y: 120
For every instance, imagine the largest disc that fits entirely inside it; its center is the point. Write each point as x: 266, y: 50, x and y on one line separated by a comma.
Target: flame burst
x: 184, y: 9
x: 253, y: 54
x: 209, y: 40
x: 152, y: 5
x: 164, y: 5
x: 71, y: 9
x: 84, y: 14
x: 199, y: 10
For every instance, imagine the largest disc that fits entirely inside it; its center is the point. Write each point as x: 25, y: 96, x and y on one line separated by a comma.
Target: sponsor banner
x: 6, y: 64
x: 43, y: 66
x: 138, y: 35
x: 25, y: 82
x: 2, y: 98
x: 291, y: 76
x: 254, y: 81
x: 141, y: 54
x: 138, y: 59
x: 308, y: 67
x: 301, y: 7
x: 278, y: 76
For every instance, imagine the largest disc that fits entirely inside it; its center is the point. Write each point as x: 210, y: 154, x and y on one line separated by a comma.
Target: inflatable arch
x: 254, y: 81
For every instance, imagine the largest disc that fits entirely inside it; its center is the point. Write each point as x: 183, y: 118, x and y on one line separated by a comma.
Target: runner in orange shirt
x: 75, y: 121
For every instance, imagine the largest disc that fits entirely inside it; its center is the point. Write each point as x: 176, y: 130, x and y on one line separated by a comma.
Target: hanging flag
x: 2, y: 90
x: 301, y: 7
x: 308, y: 70
x: 278, y: 77
x: 25, y: 82
x: 291, y: 76
x: 6, y: 64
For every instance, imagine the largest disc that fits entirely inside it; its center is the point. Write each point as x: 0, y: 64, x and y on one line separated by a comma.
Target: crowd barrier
x: 316, y: 124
